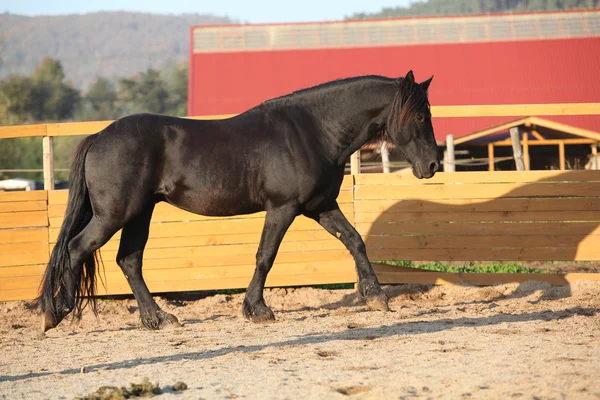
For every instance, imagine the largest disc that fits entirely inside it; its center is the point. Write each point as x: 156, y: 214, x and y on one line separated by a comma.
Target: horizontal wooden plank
x: 120, y: 286
x: 21, y: 195
x: 23, y: 219
x: 162, y: 276
x: 19, y: 271
x: 523, y: 254
x: 215, y: 240
x: 515, y: 110
x: 388, y: 274
x: 19, y: 248
x: 476, y: 229
x: 480, y: 191
x: 56, y: 197
x: 56, y: 222
x: 496, y: 110
x: 201, y: 278
x: 186, y: 247
x: 17, y: 131
x: 23, y: 235
x: 76, y: 128
x: 14, y: 206
x: 478, y: 205
x: 492, y: 216
x: 481, y: 242
x: 211, y: 228
x: 168, y: 260
x: 480, y: 177
x: 31, y: 258
x: 185, y: 252
x: 164, y: 212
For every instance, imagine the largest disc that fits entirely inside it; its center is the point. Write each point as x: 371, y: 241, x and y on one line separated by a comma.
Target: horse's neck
x: 352, y: 118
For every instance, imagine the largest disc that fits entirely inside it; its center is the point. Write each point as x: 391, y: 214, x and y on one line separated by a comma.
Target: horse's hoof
x: 379, y: 303
x: 258, y: 314
x: 48, y: 322
x: 373, y: 296
x: 161, y: 320
x: 169, y: 321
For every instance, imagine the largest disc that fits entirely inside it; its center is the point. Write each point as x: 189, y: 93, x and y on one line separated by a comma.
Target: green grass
x: 510, y: 267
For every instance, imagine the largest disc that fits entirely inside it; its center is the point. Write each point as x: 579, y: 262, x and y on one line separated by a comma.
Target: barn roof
x: 541, y: 128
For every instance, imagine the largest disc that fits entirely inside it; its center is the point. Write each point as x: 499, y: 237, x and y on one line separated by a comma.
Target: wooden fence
x: 480, y: 216
x: 185, y: 251
x: 537, y: 215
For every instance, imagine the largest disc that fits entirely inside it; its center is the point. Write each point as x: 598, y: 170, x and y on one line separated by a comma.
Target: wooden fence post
x: 526, y: 159
x: 48, y: 162
x: 517, y: 151
x: 385, y: 157
x: 355, y: 163
x: 491, y: 161
x: 449, y: 160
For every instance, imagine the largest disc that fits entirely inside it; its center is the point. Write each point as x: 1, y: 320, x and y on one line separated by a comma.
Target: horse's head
x: 409, y: 126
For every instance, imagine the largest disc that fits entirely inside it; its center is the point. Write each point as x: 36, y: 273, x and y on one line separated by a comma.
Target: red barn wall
x: 537, y: 71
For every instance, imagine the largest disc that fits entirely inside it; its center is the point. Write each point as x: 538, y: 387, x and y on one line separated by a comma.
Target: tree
x: 448, y: 7
x: 53, y: 99
x: 26, y: 99
x: 100, y: 101
x: 16, y: 100
x: 177, y: 80
x: 146, y: 92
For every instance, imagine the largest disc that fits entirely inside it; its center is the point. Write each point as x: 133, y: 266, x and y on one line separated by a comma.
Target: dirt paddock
x: 504, y: 342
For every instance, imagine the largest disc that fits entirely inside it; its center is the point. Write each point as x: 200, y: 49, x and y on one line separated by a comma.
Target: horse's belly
x: 214, y: 202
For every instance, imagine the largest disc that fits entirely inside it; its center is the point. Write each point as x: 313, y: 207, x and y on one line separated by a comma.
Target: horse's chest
x: 323, y: 193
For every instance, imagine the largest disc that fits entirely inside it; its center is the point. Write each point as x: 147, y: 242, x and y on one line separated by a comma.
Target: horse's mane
x: 328, y: 85
x: 406, y: 108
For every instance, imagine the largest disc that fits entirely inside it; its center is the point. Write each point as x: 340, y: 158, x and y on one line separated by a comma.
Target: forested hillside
x: 109, y: 44
x: 457, y: 7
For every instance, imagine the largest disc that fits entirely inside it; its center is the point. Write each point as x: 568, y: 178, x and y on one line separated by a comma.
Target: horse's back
x: 248, y: 163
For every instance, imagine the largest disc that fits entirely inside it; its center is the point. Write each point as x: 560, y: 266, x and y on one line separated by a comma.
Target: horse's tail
x: 56, y: 299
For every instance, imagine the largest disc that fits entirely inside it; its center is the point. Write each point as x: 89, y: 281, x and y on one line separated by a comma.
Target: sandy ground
x: 504, y: 342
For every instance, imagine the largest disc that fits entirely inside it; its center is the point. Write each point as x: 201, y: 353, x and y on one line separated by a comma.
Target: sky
x: 250, y: 11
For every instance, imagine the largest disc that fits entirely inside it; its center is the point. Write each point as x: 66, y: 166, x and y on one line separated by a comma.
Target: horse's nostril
x: 434, y: 166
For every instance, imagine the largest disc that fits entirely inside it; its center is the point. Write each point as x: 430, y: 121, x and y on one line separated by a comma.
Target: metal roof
x: 392, y: 32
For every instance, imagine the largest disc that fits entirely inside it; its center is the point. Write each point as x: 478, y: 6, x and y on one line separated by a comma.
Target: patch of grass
x: 334, y: 286
x: 470, y: 267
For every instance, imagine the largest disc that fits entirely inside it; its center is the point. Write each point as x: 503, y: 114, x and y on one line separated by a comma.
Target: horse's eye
x: 420, y: 117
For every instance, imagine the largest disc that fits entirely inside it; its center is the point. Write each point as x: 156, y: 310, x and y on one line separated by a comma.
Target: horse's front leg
x: 277, y: 223
x: 336, y: 223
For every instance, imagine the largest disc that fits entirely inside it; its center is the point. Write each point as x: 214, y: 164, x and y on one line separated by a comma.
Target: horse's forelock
x: 400, y: 112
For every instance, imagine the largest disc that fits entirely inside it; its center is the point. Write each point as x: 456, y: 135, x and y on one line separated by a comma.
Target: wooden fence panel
x: 186, y: 251
x: 480, y: 216
x: 23, y: 241
x: 513, y: 216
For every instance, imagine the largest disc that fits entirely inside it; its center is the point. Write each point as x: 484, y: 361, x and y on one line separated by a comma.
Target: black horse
x: 286, y: 156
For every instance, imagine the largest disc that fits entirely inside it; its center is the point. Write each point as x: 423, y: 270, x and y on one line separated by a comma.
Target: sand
x: 503, y: 342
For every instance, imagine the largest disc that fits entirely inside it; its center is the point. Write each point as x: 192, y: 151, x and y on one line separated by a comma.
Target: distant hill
x: 108, y: 43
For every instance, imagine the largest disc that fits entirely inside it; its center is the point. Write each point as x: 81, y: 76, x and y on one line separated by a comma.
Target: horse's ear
x: 425, y: 84
x: 407, y: 83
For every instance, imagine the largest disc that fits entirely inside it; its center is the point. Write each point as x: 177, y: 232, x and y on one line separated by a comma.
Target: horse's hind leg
x: 131, y: 249
x: 277, y: 222
x: 336, y: 223
x: 80, y: 250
